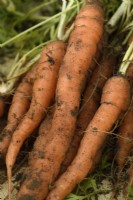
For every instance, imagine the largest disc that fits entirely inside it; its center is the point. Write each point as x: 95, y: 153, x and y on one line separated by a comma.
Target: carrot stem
x: 62, y: 20
x: 6, y: 86
x: 42, y: 5
x: 118, y: 14
x: 36, y: 26
x: 127, y: 59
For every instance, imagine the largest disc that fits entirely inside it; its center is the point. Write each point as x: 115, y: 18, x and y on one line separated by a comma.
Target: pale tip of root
x: 9, y: 177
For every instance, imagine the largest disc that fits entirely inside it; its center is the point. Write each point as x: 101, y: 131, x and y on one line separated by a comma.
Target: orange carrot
x: 125, y: 130
x: 95, y: 60
x: 125, y: 139
x: 91, y: 102
x: 19, y: 106
x: 82, y: 46
x: 114, y: 101
x: 2, y: 107
x: 36, y: 157
x: 43, y: 95
x: 42, y: 138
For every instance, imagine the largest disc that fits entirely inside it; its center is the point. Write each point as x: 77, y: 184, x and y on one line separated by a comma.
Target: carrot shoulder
x: 19, y: 106
x: 114, y: 100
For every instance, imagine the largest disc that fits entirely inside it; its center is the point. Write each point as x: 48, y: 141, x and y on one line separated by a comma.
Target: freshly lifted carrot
x: 114, y: 101
x: 31, y: 180
x: 42, y: 139
x: 95, y: 60
x: 91, y: 102
x: 81, y: 49
x: 125, y: 139
x: 43, y: 95
x: 2, y: 107
x: 19, y: 106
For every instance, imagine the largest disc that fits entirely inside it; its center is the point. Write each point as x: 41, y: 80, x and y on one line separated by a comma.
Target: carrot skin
x: 19, y: 106
x: 114, y: 101
x: 42, y: 138
x: 81, y: 49
x: 42, y: 96
x: 125, y: 141
x: 91, y: 102
x: 37, y: 154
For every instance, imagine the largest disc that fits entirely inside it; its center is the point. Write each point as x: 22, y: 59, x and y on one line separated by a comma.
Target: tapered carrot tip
x: 9, y: 175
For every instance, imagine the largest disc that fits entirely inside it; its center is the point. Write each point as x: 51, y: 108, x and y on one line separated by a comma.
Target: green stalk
x: 26, y: 68
x: 127, y: 59
x: 118, y: 14
x: 23, y: 60
x: 62, y: 20
x: 42, y: 5
x: 34, y: 27
x: 22, y: 65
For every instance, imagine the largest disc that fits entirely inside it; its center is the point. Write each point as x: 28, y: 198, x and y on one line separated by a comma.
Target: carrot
x: 114, y: 101
x: 2, y: 107
x: 82, y: 46
x: 95, y: 60
x: 42, y: 138
x: 19, y: 106
x: 43, y: 95
x: 91, y: 101
x: 125, y: 143
x: 31, y: 180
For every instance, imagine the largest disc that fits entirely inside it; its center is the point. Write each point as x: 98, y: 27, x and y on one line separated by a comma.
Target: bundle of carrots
x: 71, y: 96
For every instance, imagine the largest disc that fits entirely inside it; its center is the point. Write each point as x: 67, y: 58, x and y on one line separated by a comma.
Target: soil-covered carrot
x: 43, y: 95
x: 19, y: 106
x: 2, y: 107
x: 125, y: 138
x: 91, y: 102
x: 37, y: 154
x: 114, y: 101
x: 95, y: 60
x: 42, y: 138
x: 82, y: 47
